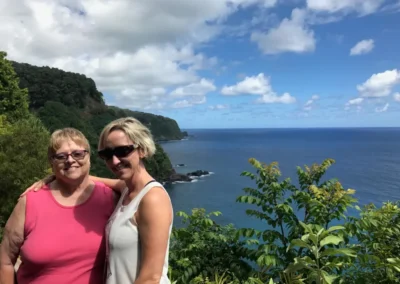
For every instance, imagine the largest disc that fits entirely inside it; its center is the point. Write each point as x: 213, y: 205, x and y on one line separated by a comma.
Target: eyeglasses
x: 119, y: 152
x: 76, y: 155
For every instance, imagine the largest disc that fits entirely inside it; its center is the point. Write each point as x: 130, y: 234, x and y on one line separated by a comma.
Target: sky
x: 220, y: 63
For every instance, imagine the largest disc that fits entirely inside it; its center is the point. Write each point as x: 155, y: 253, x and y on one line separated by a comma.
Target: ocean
x: 367, y: 160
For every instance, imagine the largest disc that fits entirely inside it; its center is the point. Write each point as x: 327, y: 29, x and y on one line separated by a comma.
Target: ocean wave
x: 178, y: 182
x: 209, y: 174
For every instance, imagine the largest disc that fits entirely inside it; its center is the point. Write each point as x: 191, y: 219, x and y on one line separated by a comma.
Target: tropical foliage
x: 23, y: 140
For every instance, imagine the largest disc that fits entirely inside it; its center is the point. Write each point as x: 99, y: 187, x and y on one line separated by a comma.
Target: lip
x: 70, y: 168
x: 118, y: 168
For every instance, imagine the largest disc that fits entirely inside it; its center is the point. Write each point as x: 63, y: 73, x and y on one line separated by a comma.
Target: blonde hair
x: 139, y: 134
x: 61, y: 135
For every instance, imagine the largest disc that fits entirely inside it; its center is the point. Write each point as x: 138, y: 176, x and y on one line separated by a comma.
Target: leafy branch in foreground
x: 377, y: 234
x: 204, y: 248
x: 324, y: 259
x: 283, y: 207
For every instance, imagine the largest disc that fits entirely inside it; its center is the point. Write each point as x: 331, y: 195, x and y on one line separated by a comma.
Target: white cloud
x: 257, y: 85
x: 363, y: 47
x: 382, y: 109
x: 380, y: 84
x: 392, y: 7
x: 195, y: 89
x: 396, y: 97
x: 356, y: 101
x: 194, y: 93
x: 130, y: 48
x: 189, y: 103
x: 218, y: 107
x: 291, y: 35
x: 362, y: 7
x: 286, y: 98
x: 309, y: 104
x: 253, y: 85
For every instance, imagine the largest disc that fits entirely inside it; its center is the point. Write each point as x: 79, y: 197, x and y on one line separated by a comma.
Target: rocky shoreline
x: 189, y: 177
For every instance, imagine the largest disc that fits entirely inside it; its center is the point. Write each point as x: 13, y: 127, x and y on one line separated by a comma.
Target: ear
x: 141, y: 153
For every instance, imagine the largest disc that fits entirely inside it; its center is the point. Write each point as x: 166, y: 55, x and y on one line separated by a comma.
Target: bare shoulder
x: 17, y: 218
x: 20, y: 207
x: 156, y: 196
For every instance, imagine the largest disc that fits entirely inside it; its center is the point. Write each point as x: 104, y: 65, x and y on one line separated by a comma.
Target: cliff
x: 66, y: 99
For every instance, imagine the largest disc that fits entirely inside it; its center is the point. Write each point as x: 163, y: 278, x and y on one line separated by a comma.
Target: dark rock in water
x: 198, y: 173
x: 180, y: 165
x: 179, y: 177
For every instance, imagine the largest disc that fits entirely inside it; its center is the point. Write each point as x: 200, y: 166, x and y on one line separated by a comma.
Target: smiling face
x: 70, y: 162
x: 124, y: 167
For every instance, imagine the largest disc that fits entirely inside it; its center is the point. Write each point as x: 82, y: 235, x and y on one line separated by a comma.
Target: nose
x: 70, y: 160
x: 115, y: 161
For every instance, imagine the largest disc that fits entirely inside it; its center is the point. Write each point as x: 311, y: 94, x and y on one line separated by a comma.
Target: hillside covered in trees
x: 62, y: 99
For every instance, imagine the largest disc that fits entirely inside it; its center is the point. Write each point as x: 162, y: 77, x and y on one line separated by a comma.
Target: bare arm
x: 115, y: 184
x: 154, y: 218
x: 12, y: 241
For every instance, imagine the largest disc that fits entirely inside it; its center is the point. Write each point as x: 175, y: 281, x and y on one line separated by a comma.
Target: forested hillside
x: 62, y: 99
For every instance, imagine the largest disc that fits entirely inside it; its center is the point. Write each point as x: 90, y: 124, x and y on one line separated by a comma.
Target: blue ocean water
x: 367, y: 160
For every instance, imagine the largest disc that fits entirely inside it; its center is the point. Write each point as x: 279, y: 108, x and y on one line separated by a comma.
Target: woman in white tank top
x: 139, y: 230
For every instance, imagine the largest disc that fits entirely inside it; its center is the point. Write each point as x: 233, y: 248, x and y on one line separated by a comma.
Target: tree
x: 13, y: 100
x: 23, y: 141
x: 284, y: 206
x: 23, y: 156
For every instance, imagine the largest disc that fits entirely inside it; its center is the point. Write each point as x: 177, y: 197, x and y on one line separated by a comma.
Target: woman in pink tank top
x: 58, y: 232
x: 59, y: 229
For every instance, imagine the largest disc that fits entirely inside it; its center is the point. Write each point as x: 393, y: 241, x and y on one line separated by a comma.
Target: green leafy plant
x: 225, y: 278
x: 204, y: 248
x: 377, y: 242
x: 13, y: 100
x: 283, y: 206
x: 323, y: 258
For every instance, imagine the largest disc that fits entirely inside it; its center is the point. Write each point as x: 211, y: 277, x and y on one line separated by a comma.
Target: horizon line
x: 310, y: 127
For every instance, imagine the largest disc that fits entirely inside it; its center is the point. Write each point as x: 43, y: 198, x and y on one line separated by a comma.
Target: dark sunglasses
x: 76, y: 155
x: 119, y: 152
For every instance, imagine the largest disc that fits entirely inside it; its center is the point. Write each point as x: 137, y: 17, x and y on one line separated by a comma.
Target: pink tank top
x: 65, y: 244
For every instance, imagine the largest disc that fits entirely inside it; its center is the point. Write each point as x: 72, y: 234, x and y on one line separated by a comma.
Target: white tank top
x: 123, y: 243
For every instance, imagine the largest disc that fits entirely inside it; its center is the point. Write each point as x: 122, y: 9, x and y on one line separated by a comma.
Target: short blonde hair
x: 61, y: 135
x: 139, y: 134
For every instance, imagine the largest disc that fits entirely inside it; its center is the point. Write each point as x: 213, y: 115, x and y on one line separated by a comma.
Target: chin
x: 123, y: 175
x: 75, y: 177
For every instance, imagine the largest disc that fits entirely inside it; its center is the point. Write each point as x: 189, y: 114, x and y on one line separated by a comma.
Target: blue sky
x: 329, y: 72
x: 224, y: 64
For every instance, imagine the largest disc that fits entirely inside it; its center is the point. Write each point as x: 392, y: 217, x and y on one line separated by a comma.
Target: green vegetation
x: 23, y: 140
x: 308, y: 234
x: 65, y: 99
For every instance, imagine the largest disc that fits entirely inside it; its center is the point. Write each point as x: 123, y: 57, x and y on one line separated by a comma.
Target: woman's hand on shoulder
x: 154, y: 221
x: 39, y: 184
x: 115, y: 184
